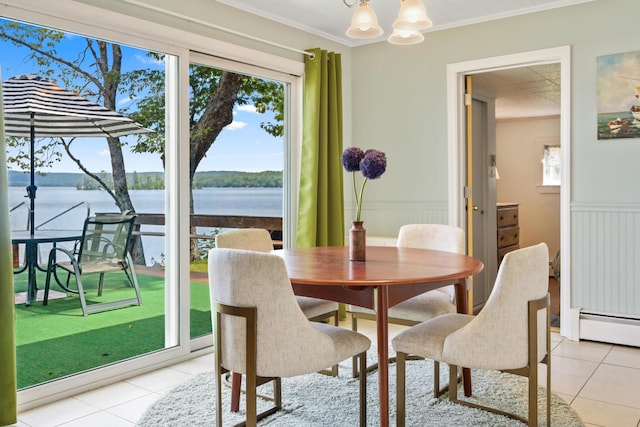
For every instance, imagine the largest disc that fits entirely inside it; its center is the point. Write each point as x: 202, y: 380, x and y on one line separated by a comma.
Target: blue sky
x: 240, y: 146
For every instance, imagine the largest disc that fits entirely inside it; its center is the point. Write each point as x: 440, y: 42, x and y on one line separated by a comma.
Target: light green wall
x: 399, y: 98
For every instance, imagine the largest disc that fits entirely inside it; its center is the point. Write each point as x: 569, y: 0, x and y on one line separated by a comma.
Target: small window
x: 551, y: 165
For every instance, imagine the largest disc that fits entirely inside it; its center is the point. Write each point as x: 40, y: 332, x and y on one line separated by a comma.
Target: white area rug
x: 319, y: 400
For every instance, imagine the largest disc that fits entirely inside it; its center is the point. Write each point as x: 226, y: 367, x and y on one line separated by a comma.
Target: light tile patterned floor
x: 600, y: 381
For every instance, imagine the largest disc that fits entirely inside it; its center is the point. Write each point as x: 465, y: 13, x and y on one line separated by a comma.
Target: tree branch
x: 53, y: 58
x: 103, y: 184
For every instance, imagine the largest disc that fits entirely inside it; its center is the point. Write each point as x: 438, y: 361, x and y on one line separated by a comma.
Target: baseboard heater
x: 610, y: 328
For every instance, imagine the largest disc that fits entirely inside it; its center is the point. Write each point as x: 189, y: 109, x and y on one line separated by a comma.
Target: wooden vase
x: 357, y: 241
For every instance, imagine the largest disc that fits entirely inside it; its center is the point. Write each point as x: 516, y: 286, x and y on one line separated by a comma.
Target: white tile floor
x: 600, y: 381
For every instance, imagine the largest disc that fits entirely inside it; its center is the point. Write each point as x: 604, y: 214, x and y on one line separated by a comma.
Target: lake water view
x: 51, y: 201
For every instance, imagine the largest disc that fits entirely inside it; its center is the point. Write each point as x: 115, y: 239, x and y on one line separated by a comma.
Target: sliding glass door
x: 77, y: 177
x: 239, y: 151
x: 201, y: 169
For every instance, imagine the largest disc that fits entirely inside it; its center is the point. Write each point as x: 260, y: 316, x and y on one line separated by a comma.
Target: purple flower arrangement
x: 372, y: 164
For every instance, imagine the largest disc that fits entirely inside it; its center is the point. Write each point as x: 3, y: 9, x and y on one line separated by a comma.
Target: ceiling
x: 522, y: 92
x: 532, y: 91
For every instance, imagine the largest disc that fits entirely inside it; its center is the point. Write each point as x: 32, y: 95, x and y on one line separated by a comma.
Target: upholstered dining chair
x: 259, y: 239
x: 260, y: 330
x: 510, y: 334
x: 429, y: 304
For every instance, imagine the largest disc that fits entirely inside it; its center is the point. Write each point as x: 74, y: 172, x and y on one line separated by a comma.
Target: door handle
x: 475, y: 208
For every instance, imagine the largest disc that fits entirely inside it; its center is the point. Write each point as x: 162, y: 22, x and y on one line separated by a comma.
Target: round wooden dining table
x: 388, y: 276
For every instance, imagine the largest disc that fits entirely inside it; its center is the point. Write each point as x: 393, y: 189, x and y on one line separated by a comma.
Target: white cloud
x: 235, y: 125
x: 248, y: 108
x: 104, y: 153
x: 149, y: 60
x: 125, y: 100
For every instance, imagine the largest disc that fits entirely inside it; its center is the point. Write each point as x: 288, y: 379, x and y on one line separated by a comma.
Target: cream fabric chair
x: 261, y: 331
x: 259, y: 239
x: 430, y: 304
x: 511, y: 332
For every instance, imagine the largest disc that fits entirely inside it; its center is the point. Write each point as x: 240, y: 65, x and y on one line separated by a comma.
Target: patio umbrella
x: 37, y: 107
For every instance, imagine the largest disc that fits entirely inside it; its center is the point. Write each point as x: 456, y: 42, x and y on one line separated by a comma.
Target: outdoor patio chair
x: 102, y: 249
x: 510, y: 334
x: 260, y: 330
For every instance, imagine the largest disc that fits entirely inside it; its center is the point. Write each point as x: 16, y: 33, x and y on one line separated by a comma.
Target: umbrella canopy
x: 58, y: 112
x: 35, y: 106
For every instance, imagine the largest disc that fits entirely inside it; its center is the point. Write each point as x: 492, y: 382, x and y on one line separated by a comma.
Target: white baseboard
x: 610, y: 329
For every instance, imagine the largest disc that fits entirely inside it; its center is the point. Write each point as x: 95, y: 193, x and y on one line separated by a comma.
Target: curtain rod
x: 216, y: 27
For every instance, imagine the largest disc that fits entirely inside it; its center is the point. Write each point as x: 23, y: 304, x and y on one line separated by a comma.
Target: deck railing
x: 272, y: 224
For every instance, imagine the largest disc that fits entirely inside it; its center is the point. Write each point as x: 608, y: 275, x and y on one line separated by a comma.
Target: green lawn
x: 57, y: 340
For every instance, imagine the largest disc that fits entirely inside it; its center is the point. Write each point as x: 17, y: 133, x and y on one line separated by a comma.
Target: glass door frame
x: 99, y: 23
x: 291, y: 146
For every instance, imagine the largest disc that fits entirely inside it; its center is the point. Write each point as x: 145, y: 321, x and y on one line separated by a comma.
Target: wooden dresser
x: 507, y: 228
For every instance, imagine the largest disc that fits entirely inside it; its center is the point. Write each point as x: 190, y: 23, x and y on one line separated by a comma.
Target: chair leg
x: 100, y: 283
x: 252, y: 402
x: 548, y: 391
x: 363, y: 389
x: 47, y: 283
x: 236, y: 383
x: 336, y: 323
x: 436, y: 378
x: 401, y: 389
x: 466, y: 381
x: 354, y: 359
x: 218, y: 380
x: 453, y: 386
x: 277, y: 393
x: 133, y: 279
x: 533, y: 394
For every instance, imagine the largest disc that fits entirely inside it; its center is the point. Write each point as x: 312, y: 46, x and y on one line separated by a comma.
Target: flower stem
x: 355, y: 190
x: 359, y: 199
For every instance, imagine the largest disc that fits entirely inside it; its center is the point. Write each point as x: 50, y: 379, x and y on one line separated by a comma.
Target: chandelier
x: 412, y: 19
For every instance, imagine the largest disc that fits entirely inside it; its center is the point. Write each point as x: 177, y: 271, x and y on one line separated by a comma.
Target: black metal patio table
x: 31, y: 242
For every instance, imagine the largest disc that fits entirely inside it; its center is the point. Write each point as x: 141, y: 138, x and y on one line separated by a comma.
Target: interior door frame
x: 456, y: 123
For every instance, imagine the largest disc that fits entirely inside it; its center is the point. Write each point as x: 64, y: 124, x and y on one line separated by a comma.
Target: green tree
x: 96, y: 72
x: 214, y: 93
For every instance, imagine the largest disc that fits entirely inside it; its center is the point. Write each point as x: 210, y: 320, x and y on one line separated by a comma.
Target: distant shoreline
x: 151, y: 180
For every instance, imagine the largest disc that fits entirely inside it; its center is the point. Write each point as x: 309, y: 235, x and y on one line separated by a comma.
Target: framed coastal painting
x: 618, y: 85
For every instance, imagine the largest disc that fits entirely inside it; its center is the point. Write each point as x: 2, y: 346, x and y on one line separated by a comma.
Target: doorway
x: 457, y: 147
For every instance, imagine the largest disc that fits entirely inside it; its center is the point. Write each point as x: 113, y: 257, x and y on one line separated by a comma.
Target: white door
x: 484, y: 197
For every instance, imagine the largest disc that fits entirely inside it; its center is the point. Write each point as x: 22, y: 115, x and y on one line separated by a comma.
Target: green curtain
x: 320, y: 202
x: 8, y: 393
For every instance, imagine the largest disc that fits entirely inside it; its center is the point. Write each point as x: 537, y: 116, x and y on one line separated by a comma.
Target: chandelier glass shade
x: 364, y: 23
x: 405, y: 37
x: 412, y: 16
x: 412, y: 19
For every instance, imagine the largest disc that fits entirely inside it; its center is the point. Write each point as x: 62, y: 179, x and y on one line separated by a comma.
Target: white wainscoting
x: 606, y: 270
